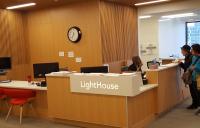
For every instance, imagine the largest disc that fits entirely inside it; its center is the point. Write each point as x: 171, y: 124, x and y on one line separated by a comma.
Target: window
x: 193, y: 32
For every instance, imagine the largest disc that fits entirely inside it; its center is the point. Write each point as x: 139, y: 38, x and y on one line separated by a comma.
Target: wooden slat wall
x: 109, y: 35
x: 4, y: 34
x: 118, y: 31
x: 12, y: 43
x: 47, y: 34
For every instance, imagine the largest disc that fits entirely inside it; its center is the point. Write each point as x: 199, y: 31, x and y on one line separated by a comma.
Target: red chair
x: 2, y: 95
x: 19, y: 97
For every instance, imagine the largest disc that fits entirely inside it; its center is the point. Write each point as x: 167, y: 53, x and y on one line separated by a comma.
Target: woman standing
x: 185, y: 50
x: 195, y: 67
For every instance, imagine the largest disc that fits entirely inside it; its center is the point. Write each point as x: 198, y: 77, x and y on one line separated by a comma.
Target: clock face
x: 74, y: 34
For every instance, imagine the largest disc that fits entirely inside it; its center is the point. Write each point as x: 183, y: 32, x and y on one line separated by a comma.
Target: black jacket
x: 134, y: 68
x: 187, y: 63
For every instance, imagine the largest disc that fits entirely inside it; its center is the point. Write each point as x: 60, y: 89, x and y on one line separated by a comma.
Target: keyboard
x: 5, y: 81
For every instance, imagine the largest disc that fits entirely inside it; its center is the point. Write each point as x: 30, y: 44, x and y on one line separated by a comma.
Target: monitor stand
x: 44, y: 83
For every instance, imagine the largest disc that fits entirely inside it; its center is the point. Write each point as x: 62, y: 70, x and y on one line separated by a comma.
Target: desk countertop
x: 22, y: 85
x: 61, y: 74
x: 67, y: 74
x: 147, y: 87
x: 164, y: 67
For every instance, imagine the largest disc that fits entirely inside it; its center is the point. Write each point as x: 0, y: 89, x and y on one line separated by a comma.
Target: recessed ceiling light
x: 150, y: 2
x: 162, y: 20
x: 145, y: 17
x: 179, y: 15
x: 21, y: 6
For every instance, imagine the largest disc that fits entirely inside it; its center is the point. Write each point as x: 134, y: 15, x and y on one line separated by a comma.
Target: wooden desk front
x: 91, y: 110
x: 171, y: 89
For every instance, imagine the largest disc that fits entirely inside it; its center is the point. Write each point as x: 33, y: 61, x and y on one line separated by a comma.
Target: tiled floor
x: 13, y: 122
x: 177, y: 118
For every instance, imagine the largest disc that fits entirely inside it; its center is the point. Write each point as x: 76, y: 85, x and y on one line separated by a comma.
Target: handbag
x: 187, y: 76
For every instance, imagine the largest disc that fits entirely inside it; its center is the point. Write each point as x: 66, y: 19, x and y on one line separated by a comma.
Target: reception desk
x: 171, y: 89
x: 100, y: 110
x: 165, y: 90
x: 142, y: 104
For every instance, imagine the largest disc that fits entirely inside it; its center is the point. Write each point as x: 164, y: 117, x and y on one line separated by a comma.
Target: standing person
x: 185, y: 50
x: 195, y: 68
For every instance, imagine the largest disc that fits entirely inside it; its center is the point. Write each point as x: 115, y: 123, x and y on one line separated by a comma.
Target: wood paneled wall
x: 118, y: 31
x: 12, y: 43
x: 47, y: 34
x: 109, y: 34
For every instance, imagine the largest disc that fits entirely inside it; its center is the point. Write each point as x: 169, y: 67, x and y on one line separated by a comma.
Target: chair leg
x: 21, y: 113
x: 10, y: 109
x: 7, y: 104
x: 32, y: 108
x: 1, y: 107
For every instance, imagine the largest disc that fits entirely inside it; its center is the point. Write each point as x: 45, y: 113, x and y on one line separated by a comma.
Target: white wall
x: 171, y: 38
x: 148, y: 34
x: 170, y: 35
x: 166, y: 36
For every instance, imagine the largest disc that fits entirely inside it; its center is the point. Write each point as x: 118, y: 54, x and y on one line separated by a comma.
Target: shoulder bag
x: 187, y: 76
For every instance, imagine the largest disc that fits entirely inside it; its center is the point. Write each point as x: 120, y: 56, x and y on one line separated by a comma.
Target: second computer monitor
x: 98, y: 69
x: 5, y: 63
x: 41, y: 69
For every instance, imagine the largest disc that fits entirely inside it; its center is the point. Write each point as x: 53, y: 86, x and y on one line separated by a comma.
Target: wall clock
x: 74, y: 34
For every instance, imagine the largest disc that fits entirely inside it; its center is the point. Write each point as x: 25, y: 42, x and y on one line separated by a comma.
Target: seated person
x: 137, y: 64
x: 137, y: 67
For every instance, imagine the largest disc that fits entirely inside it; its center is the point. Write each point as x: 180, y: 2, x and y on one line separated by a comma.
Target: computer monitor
x: 41, y: 69
x: 150, y: 63
x: 5, y: 63
x: 99, y: 69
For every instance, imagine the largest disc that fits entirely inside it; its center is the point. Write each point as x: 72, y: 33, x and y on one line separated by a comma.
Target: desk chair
x: 19, y: 97
x: 2, y: 97
x: 1, y: 93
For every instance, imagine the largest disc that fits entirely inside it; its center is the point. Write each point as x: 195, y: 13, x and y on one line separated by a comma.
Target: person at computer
x: 137, y: 64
